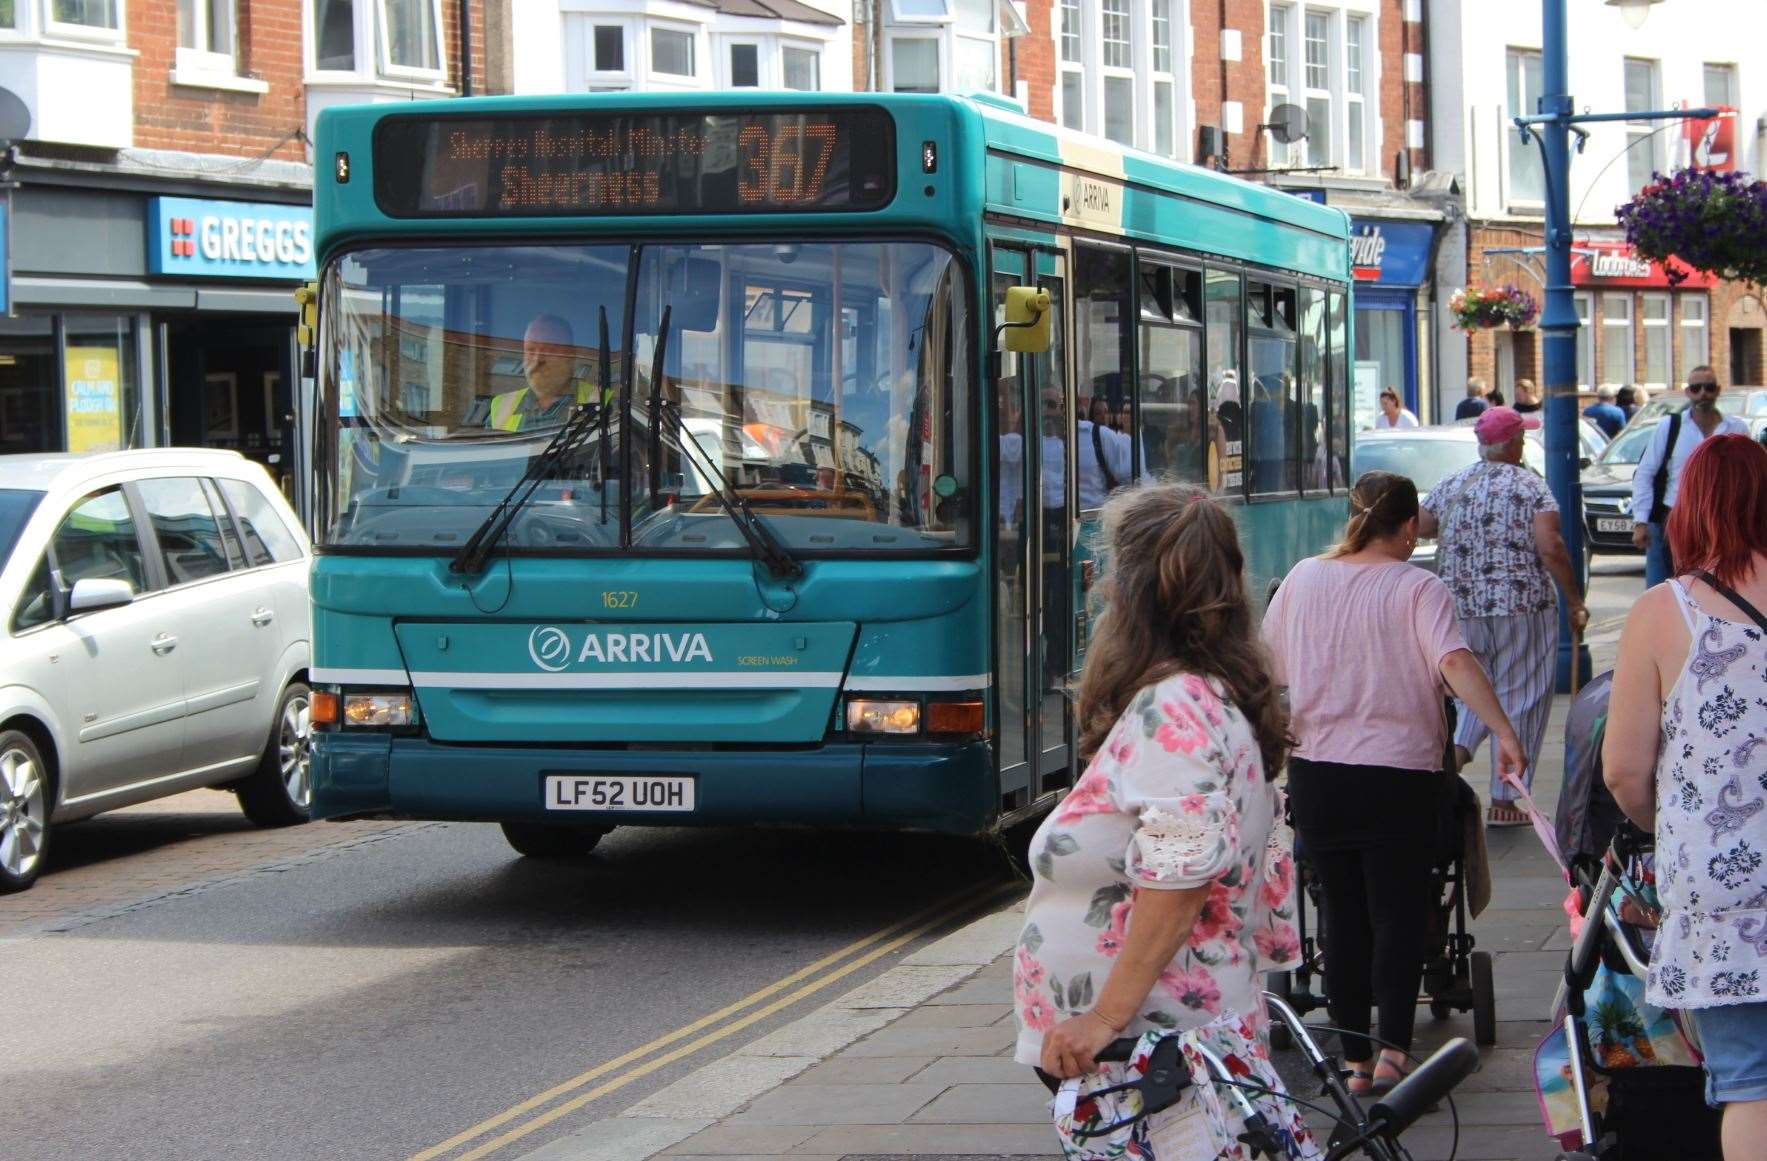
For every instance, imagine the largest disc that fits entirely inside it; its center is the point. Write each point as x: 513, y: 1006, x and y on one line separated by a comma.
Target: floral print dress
x: 1712, y: 820
x: 1175, y: 798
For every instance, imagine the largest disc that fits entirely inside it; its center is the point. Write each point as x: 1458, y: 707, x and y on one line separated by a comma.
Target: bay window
x: 391, y: 40
x: 85, y: 17
x: 914, y: 64
x: 802, y: 68
x: 410, y: 36
x: 671, y: 52
x: 947, y: 44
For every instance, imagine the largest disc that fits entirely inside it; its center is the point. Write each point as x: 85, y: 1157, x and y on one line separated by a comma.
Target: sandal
x: 1502, y: 814
x: 1388, y: 1072
x: 1361, y: 1079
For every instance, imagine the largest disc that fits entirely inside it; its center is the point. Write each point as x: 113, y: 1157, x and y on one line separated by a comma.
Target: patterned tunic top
x: 1712, y: 820
x: 1486, y: 552
x: 1176, y: 797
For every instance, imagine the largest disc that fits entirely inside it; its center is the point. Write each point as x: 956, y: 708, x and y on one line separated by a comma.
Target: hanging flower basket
x: 1712, y: 222
x: 1479, y: 308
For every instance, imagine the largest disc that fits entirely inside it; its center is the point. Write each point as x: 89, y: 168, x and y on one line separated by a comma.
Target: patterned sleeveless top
x: 1712, y: 820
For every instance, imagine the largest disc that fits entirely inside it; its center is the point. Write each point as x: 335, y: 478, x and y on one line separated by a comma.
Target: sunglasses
x: 1704, y: 388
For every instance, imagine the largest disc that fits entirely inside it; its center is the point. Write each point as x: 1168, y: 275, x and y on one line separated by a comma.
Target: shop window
x: 1654, y: 314
x: 671, y: 52
x: 1616, y: 339
x: 185, y: 525
x: 745, y: 66
x: 1222, y: 322
x: 803, y: 68
x: 1696, y: 350
x: 30, y: 391
x: 102, y: 398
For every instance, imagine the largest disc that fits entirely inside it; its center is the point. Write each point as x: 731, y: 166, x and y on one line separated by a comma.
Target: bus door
x: 1034, y: 598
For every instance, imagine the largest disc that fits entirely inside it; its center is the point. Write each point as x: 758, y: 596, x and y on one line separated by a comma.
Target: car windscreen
x: 1426, y: 461
x: 1628, y: 447
x: 16, y: 506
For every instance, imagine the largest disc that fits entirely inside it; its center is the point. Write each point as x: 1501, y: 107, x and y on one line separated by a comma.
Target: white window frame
x: 1279, y: 25
x: 1333, y: 70
x: 383, y: 45
x: 598, y: 80
x: 890, y: 57
x: 1664, y: 332
x: 1653, y: 145
x: 1585, y: 304
x: 1610, y: 298
x: 1356, y: 96
x: 764, y: 70
x: 805, y: 46
x: 1286, y: 23
x: 655, y: 76
x: 203, y: 67
x: 1520, y: 55
x: 1702, y: 324
x: 1074, y: 66
x: 923, y: 18
x: 1728, y: 70
x: 58, y: 28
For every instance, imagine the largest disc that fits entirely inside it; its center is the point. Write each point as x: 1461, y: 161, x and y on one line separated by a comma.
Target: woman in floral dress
x: 1686, y: 754
x: 1161, y: 893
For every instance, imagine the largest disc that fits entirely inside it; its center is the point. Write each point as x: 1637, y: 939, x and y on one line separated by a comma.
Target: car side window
x: 266, y: 535
x: 96, y: 541
x: 229, y: 536
x: 189, y: 535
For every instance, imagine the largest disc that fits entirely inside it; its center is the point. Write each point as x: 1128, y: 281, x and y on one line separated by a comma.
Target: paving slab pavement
x: 918, y: 1064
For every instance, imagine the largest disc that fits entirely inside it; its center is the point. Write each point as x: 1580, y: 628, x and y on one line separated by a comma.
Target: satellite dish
x: 15, y: 117
x: 1288, y: 124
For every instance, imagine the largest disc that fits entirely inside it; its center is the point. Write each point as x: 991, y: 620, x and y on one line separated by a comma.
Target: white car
x: 156, y: 639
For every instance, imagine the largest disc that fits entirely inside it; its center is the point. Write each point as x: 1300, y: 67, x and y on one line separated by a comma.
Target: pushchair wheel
x: 1440, y: 1009
x: 1484, y: 999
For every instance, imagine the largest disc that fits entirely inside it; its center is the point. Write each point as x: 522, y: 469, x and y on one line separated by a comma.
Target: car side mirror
x: 93, y: 593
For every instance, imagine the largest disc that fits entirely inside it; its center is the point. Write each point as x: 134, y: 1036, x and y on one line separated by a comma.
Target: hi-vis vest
x: 506, y: 408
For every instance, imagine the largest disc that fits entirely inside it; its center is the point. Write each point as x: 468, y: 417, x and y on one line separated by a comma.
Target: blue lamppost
x: 1551, y: 127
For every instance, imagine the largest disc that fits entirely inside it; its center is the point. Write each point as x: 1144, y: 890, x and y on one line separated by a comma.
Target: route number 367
x: 784, y: 166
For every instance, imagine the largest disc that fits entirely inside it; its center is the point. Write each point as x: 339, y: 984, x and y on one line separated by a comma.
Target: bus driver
x: 549, y: 361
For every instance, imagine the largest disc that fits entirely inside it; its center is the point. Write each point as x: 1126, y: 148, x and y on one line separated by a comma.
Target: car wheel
x: 24, y: 811
x: 538, y: 840
x: 280, y: 791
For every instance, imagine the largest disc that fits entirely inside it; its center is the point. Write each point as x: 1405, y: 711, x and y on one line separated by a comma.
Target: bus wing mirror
x: 1029, y: 320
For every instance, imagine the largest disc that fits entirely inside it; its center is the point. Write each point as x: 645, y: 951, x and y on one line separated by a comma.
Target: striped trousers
x: 1520, y: 653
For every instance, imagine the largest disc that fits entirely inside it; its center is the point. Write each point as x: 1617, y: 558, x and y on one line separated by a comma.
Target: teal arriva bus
x: 665, y: 470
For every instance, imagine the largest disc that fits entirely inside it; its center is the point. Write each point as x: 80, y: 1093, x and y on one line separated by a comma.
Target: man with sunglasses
x: 1658, y: 477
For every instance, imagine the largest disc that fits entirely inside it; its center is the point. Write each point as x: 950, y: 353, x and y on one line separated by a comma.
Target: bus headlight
x: 377, y: 710
x: 872, y: 716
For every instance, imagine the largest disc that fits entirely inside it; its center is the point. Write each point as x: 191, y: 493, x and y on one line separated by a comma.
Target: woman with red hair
x: 1686, y: 755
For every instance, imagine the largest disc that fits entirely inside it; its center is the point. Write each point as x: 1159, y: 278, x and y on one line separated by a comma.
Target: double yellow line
x: 707, y: 1030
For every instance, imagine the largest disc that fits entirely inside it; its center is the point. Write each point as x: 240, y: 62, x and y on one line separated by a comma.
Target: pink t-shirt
x: 1360, y: 648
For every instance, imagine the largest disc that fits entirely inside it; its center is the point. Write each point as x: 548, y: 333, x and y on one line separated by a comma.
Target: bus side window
x: 1104, y: 429
x: 1170, y: 402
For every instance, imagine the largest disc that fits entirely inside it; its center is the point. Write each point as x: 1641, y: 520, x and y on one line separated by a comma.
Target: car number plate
x: 668, y: 792
x: 1603, y: 524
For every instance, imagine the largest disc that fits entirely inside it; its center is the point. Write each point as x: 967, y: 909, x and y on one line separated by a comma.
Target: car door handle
x: 164, y: 644
x: 261, y: 617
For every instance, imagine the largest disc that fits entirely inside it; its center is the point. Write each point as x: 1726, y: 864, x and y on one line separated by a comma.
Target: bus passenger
x: 549, y: 363
x: 1103, y: 455
x: 1367, y: 645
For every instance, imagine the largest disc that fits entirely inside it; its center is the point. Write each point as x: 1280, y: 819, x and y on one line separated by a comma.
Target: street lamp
x: 1635, y: 11
x: 1552, y: 127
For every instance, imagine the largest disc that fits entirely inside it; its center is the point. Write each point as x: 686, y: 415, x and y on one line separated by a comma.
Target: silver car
x: 156, y: 639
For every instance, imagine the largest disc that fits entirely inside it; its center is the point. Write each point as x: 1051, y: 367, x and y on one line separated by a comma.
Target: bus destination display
x: 573, y: 164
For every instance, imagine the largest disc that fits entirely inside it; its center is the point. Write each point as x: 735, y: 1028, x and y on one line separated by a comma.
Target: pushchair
x: 1456, y: 976
x: 1619, y: 1079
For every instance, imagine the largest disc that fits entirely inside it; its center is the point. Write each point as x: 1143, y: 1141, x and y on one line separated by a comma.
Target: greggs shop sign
x: 216, y: 239
x: 1617, y: 264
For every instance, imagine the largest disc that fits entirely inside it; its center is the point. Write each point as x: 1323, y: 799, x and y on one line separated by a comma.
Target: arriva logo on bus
x: 551, y: 649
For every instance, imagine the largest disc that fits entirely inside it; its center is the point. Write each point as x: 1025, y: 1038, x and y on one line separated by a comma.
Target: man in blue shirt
x: 1604, y: 413
x: 1475, y: 402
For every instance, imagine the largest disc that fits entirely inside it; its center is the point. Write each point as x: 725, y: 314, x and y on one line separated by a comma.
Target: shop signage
x: 1617, y: 264
x: 216, y: 239
x: 1390, y: 253
x: 1712, y: 140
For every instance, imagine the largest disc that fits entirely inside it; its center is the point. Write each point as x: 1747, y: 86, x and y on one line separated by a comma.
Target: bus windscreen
x: 592, y: 163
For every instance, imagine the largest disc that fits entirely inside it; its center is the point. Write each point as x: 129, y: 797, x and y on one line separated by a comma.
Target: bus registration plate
x: 619, y: 792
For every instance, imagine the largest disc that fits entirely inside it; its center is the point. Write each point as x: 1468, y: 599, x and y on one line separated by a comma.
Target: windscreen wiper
x: 583, y: 423
x: 762, y: 541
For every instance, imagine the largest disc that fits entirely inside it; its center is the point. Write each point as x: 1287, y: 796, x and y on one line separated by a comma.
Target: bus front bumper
x: 945, y: 788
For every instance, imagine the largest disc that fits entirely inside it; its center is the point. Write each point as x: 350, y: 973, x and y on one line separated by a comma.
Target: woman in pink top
x: 1368, y: 646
